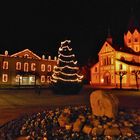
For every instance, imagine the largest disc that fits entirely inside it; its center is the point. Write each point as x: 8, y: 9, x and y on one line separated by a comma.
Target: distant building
x: 25, y: 68
x: 114, y: 59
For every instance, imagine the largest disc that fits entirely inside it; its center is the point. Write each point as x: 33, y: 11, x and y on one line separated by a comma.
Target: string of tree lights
x: 66, y: 73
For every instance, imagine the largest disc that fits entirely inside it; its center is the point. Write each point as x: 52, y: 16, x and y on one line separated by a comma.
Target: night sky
x: 42, y: 25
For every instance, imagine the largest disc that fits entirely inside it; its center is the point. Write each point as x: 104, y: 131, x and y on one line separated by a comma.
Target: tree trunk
x: 120, y: 82
x: 137, y: 84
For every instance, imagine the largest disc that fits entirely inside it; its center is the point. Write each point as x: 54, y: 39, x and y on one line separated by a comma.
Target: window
x: 121, y: 67
x: 5, y: 65
x: 133, y: 60
x: 4, y: 78
x: 18, y: 65
x: 48, y: 79
x: 26, y: 55
x: 129, y: 40
x: 122, y: 58
x: 136, y: 39
x: 42, y: 67
x: 32, y: 79
x: 42, y: 78
x: 17, y: 78
x: 95, y: 69
x: 108, y: 60
x: 33, y: 68
x: 49, y: 68
x: 26, y: 66
x: 137, y: 49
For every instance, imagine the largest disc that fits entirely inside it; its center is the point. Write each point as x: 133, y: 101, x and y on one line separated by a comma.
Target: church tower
x: 132, y: 36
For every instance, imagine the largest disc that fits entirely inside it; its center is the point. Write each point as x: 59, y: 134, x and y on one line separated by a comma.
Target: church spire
x: 109, y: 37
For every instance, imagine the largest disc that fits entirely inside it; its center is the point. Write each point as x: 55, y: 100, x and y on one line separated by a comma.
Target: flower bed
x: 77, y: 123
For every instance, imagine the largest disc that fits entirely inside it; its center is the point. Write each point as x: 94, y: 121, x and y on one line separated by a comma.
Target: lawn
x: 14, y: 103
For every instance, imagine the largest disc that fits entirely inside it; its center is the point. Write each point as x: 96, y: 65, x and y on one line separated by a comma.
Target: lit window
x: 33, y: 68
x: 4, y: 78
x: 17, y: 78
x: 54, y: 67
x: 48, y: 79
x: 18, y: 66
x: 26, y: 65
x: 121, y: 67
x: 32, y: 79
x: 5, y: 65
x: 42, y: 78
x: 49, y: 68
x: 42, y: 67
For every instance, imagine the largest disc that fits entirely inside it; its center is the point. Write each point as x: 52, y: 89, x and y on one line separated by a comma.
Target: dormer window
x: 26, y: 55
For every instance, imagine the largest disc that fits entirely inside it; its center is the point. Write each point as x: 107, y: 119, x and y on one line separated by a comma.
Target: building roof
x: 129, y: 62
x: 126, y: 50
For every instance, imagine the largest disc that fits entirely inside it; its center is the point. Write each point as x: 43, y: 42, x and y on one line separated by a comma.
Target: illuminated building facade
x: 25, y: 68
x: 115, y: 59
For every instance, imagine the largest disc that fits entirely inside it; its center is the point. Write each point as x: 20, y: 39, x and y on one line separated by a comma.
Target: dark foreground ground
x: 14, y: 103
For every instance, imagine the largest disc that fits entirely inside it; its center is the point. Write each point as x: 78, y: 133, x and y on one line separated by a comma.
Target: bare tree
x: 137, y: 76
x: 121, y: 74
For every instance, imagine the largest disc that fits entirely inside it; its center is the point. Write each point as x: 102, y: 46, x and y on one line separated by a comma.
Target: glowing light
x: 63, y: 42
x: 65, y: 47
x: 66, y: 66
x: 74, y: 74
x: 66, y: 80
x: 66, y: 55
x: 74, y: 62
x: 102, y: 80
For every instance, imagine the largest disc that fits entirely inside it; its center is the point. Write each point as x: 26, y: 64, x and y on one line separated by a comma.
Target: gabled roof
x: 24, y: 53
x: 106, y: 44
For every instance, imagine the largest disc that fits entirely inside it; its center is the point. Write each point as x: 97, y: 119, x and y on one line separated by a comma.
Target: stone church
x: 119, y: 64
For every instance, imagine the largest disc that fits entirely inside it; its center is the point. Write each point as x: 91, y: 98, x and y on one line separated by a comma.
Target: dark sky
x: 42, y: 25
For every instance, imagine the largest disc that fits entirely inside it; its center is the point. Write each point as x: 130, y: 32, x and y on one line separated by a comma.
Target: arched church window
x: 122, y: 58
x: 133, y: 60
x: 121, y: 67
x: 136, y: 39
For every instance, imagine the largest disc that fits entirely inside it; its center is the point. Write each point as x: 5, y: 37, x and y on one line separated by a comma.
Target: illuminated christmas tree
x: 65, y: 77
